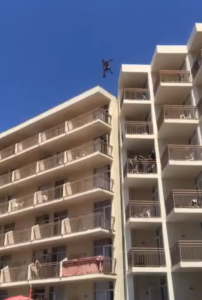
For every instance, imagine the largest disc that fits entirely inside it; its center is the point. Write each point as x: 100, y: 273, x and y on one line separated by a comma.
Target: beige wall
x: 143, y: 238
x: 184, y: 231
x: 187, y: 285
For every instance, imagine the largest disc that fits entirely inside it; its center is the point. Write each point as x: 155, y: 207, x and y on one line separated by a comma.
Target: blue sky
x: 51, y: 50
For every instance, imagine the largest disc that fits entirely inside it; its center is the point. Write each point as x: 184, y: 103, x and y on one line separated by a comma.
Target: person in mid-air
x: 106, y: 67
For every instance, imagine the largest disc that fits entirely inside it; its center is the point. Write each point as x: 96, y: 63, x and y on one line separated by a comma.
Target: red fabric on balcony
x: 82, y: 266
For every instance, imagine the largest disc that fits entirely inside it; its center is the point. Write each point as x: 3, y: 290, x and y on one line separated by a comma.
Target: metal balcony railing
x: 21, y: 203
x: 89, y: 222
x: 197, y: 64
x: 51, y: 162
x: 135, y: 94
x: 49, y: 195
x: 26, y: 144
x: 138, y: 128
x: 133, y: 166
x: 178, y: 112
x: 181, y: 152
x: 19, y: 236
x: 53, y: 132
x: 97, y: 114
x: 47, y: 230
x: 186, y: 251
x: 175, y: 76
x: 24, y: 172
x: 45, y: 271
x: 88, y: 149
x: 89, y: 265
x: 98, y: 181
x: 143, y: 209
x: 172, y: 76
x: 146, y: 257
x: 4, y: 153
x: 15, y: 274
x: 191, y: 199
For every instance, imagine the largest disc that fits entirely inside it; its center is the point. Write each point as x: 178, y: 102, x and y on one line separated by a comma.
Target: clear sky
x: 51, y: 50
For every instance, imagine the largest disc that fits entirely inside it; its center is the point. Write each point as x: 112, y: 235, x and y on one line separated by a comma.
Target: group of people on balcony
x: 141, y: 164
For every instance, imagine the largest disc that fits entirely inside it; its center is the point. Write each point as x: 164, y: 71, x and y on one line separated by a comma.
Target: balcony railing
x: 53, y: 132
x: 19, y: 236
x: 186, y: 251
x: 98, y: 181
x: 143, y: 209
x: 197, y: 64
x: 138, y: 128
x: 146, y: 257
x: 47, y: 230
x: 97, y: 114
x: 51, y: 162
x: 172, y: 76
x: 44, y: 271
x: 89, y: 265
x: 24, y: 172
x: 15, y: 274
x: 2, y: 240
x: 48, y: 296
x: 88, y: 222
x: 21, y: 203
x: 181, y: 152
x: 4, y: 153
x: 26, y: 144
x: 88, y: 149
x: 191, y: 199
x: 135, y: 94
x: 133, y: 166
x: 178, y: 112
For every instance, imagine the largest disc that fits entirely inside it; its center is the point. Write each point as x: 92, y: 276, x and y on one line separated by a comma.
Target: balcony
x: 83, y: 157
x: 14, y: 275
x: 98, y: 186
x: 186, y: 255
x: 178, y: 121
x: 90, y: 267
x: 172, y: 85
x: 184, y: 205
x: 135, y: 103
x: 138, y: 135
x: 181, y: 161
x: 85, y: 127
x: 146, y: 260
x: 197, y: 69
x: 143, y: 214
x: 96, y: 225
x: 140, y: 173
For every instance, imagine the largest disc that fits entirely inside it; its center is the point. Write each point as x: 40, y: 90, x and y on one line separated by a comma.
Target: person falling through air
x: 106, y: 67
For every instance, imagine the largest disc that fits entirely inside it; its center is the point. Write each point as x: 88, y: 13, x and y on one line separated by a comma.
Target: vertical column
x: 119, y: 286
x: 160, y: 191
